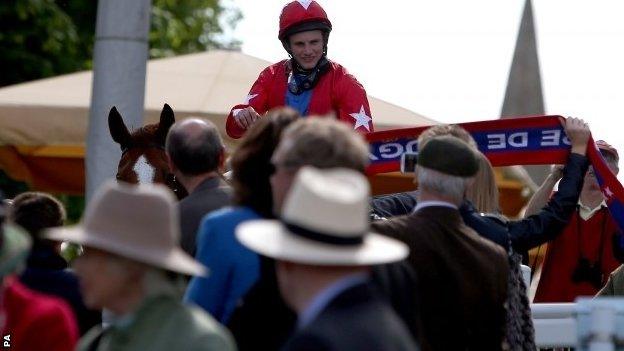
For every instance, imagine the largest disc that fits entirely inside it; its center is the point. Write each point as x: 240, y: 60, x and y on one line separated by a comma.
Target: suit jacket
x: 357, y: 319
x: 210, y: 195
x: 462, y: 279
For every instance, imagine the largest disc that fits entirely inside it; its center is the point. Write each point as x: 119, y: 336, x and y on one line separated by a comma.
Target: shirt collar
x: 586, y: 212
x: 321, y: 300
x: 432, y: 203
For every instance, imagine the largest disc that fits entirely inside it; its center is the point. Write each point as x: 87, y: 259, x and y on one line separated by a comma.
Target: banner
x: 505, y: 142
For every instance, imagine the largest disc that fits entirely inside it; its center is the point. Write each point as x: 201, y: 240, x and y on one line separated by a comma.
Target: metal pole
x: 120, y: 55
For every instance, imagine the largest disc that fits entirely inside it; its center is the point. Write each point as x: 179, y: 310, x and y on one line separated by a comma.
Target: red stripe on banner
x: 384, y: 167
x: 483, y: 126
x: 542, y: 157
x: 521, y: 122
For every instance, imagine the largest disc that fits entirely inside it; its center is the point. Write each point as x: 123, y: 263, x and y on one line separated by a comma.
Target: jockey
x: 308, y: 82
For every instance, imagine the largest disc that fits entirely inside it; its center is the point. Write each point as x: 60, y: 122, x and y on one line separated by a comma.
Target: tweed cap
x: 448, y: 155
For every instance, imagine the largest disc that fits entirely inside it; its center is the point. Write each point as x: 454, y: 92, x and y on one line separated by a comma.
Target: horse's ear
x: 118, y: 129
x: 167, y: 119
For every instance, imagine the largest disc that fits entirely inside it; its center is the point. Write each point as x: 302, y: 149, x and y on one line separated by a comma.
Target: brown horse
x: 143, y: 157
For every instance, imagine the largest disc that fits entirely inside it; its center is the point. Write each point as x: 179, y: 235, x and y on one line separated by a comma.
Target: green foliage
x: 9, y: 187
x: 37, y: 39
x: 187, y: 26
x: 43, y: 38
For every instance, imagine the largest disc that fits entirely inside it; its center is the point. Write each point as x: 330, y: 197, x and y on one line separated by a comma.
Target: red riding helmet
x: 300, y: 16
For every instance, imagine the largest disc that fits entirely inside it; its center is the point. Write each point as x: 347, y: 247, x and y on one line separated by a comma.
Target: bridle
x: 170, y: 179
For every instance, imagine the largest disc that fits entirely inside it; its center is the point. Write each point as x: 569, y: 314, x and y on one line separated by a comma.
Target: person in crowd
x: 46, y: 270
x: 30, y: 320
x: 516, y: 237
x: 196, y: 153
x: 322, y: 143
x: 234, y: 268
x: 324, y: 249
x: 130, y: 235
x: 523, y: 234
x: 308, y: 82
x: 578, y: 261
x: 462, y: 276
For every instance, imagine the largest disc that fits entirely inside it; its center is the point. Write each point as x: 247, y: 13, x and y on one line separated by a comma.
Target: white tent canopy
x: 55, y: 111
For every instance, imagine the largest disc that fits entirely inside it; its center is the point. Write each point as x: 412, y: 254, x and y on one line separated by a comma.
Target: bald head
x: 194, y: 146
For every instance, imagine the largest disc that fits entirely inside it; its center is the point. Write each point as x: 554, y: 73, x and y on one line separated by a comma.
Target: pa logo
x: 6, y: 341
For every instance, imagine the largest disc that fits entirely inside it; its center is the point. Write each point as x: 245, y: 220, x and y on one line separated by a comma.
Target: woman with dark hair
x: 234, y: 268
x: 46, y: 270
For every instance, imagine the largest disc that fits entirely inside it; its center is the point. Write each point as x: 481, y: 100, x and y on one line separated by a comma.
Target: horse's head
x: 143, y: 157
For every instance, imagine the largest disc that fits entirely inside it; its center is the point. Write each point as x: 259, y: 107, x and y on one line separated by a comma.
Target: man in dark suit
x: 323, y: 251
x: 462, y: 277
x: 196, y: 152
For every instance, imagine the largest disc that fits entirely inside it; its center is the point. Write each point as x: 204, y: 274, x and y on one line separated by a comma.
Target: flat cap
x: 448, y: 155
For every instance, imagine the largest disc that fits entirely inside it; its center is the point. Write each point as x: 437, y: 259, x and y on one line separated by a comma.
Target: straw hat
x: 139, y: 222
x: 325, y: 221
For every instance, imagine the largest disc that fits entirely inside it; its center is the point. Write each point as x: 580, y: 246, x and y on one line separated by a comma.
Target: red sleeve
x: 54, y: 328
x: 257, y: 98
x: 353, y: 105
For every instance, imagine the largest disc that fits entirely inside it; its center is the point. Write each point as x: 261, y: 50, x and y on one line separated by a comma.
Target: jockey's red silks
x: 505, y: 142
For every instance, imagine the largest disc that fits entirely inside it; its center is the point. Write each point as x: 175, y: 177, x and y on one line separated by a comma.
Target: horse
x: 143, y: 158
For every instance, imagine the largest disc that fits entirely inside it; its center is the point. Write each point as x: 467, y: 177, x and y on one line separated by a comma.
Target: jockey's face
x: 307, y: 48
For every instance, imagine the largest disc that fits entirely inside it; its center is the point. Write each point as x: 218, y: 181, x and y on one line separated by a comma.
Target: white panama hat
x: 325, y: 221
x: 139, y: 222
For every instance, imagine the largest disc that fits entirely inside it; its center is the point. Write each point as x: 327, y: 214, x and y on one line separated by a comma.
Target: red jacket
x: 337, y: 91
x: 36, y: 321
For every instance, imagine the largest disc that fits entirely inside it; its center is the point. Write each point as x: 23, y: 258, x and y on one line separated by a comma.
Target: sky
x: 449, y: 60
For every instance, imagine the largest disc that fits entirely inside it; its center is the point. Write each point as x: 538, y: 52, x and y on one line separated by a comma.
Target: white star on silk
x: 248, y: 98
x: 305, y: 3
x: 361, y: 119
x: 608, y: 192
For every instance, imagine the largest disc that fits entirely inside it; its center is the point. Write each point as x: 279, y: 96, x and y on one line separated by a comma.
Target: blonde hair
x: 446, y: 129
x: 484, y: 193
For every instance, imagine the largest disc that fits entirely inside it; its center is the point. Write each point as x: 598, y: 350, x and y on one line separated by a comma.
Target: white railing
x: 588, y: 325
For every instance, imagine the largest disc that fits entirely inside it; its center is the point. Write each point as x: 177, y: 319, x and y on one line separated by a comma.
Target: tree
x: 43, y: 38
x: 187, y: 26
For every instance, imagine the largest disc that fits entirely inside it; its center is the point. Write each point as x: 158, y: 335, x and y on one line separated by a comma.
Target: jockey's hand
x: 578, y: 132
x: 246, y: 117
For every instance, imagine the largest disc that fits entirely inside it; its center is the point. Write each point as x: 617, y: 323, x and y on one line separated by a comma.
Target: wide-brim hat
x: 325, y: 221
x: 14, y: 248
x: 139, y: 222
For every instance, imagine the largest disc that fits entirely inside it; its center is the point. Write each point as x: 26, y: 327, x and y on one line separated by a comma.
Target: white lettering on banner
x: 391, y: 150
x: 519, y: 139
x: 496, y: 141
x: 411, y: 146
x: 372, y: 157
x: 550, y: 137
